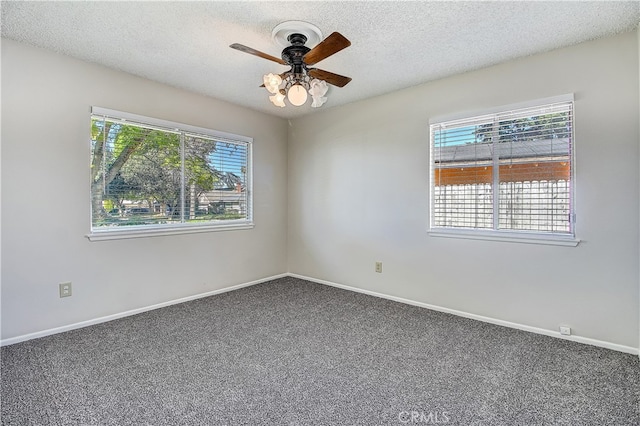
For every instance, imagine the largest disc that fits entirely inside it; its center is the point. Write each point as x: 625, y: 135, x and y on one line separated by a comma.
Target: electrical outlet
x: 379, y: 267
x: 65, y: 289
x: 565, y: 330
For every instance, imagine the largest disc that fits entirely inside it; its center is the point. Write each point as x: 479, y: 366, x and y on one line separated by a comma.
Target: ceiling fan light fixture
x: 278, y: 100
x: 297, y: 95
x: 301, y: 80
x: 318, y: 88
x: 318, y: 101
x: 272, y: 82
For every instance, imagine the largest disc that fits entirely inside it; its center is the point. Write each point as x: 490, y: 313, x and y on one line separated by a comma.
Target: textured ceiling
x: 394, y: 44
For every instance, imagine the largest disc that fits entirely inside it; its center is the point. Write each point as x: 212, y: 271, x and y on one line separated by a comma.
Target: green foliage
x: 108, y: 205
x: 220, y: 216
x: 153, y: 171
x: 198, y: 171
x: 145, y: 165
x: 547, y: 126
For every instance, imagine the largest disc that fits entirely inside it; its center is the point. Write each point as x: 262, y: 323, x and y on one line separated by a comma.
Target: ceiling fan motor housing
x: 294, y: 54
x: 297, y: 39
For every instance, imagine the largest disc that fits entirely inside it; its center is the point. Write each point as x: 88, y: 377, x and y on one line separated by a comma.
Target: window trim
x: 159, y: 231
x: 524, y: 236
x: 128, y: 232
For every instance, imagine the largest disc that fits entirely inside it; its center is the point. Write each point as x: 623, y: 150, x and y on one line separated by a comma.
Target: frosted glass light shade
x: 272, y: 82
x: 318, y: 101
x: 277, y: 99
x: 317, y: 91
x: 318, y: 87
x: 297, y: 95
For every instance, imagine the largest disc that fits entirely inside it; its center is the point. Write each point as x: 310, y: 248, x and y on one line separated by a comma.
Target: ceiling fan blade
x: 255, y: 52
x: 330, y: 45
x: 329, y: 77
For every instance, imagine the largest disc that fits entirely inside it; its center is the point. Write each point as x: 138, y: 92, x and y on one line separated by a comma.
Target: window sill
x: 511, y: 237
x: 148, y: 231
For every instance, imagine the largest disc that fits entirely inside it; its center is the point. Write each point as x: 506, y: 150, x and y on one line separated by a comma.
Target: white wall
x: 358, y: 192
x: 45, y: 198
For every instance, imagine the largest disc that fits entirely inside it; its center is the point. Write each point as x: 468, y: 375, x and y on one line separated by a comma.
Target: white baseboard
x: 94, y: 321
x: 537, y: 330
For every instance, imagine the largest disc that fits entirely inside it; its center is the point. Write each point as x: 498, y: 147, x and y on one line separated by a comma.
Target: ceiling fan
x: 301, y: 77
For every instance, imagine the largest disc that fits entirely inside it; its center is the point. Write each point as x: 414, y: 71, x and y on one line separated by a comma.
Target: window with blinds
x: 508, y: 171
x: 153, y: 174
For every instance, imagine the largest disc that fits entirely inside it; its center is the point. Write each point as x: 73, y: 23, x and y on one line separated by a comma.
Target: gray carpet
x: 291, y: 352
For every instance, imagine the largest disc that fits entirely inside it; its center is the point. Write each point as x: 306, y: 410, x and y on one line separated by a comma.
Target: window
x: 151, y: 176
x: 507, y: 174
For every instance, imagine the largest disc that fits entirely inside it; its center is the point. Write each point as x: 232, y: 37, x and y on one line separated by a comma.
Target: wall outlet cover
x: 565, y: 330
x: 65, y: 289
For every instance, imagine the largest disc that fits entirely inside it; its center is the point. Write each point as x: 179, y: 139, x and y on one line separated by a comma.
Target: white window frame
x: 114, y: 233
x: 518, y: 236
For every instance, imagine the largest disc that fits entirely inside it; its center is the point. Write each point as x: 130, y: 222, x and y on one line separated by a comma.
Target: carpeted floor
x: 291, y: 352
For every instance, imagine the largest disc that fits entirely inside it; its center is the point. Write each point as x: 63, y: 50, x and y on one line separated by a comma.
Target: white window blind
x: 149, y: 174
x: 508, y: 171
